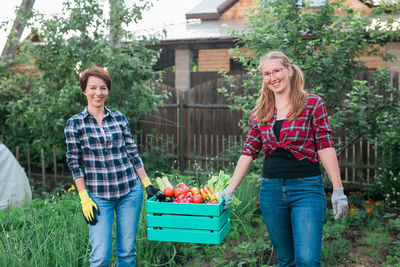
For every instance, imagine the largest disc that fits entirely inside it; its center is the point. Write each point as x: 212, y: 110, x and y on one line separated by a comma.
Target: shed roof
x: 203, y: 24
x: 196, y: 30
x: 210, y: 9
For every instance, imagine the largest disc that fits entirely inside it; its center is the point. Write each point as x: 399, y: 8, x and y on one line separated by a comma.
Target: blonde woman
x: 291, y: 127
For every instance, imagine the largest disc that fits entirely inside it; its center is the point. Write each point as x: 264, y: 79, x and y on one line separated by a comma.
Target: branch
x: 342, y: 150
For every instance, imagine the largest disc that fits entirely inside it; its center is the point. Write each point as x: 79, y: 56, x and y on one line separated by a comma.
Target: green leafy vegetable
x: 218, y: 183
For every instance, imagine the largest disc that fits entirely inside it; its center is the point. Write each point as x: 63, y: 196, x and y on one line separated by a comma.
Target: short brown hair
x: 96, y: 71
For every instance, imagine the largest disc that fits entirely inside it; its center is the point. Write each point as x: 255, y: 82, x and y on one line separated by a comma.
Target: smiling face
x: 96, y: 92
x: 276, y: 76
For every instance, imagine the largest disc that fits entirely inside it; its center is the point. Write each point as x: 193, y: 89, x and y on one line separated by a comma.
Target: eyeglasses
x: 268, y: 74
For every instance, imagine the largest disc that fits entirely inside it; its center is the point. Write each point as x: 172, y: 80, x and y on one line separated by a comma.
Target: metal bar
x: 181, y: 135
x: 43, y: 171
x: 55, y: 164
x: 28, y: 152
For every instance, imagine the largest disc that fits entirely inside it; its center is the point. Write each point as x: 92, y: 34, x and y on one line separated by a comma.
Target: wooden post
x: 43, y: 171
x: 55, y: 164
x: 1, y: 139
x: 28, y: 152
x: 181, y: 137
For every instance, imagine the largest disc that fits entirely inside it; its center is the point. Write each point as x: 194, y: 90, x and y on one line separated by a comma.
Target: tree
x: 36, y: 104
x: 10, y: 48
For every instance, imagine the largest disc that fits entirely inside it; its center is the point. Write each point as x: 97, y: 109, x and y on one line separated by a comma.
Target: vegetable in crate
x: 169, y: 192
x: 166, y: 182
x: 160, y: 184
x: 197, y: 199
x: 178, y: 192
x: 209, y: 193
x: 183, y: 186
x: 217, y: 184
x: 184, y: 198
x: 195, y: 190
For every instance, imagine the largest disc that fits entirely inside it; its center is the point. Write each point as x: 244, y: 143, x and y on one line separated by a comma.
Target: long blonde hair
x: 265, y: 106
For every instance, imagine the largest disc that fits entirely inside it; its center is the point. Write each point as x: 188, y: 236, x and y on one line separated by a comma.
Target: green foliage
x: 334, y: 248
x: 368, y: 229
x: 158, y: 160
x: 32, y: 235
x: 371, y: 111
x: 393, y: 259
x: 37, y: 103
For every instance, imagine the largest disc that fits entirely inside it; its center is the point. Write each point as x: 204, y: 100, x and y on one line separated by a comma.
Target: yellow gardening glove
x: 151, y: 190
x: 89, y: 207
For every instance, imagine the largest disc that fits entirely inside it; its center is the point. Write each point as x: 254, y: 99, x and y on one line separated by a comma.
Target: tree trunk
x: 17, y: 29
x: 115, y: 21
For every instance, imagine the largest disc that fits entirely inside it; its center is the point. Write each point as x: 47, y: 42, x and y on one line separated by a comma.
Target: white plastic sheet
x: 14, y: 184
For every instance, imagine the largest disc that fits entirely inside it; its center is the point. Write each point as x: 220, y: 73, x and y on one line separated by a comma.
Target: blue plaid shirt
x: 107, y: 161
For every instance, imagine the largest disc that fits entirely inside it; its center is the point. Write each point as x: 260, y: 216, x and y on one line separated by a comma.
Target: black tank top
x: 283, y: 164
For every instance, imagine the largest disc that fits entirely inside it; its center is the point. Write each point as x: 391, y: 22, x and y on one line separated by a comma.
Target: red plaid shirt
x: 303, y: 136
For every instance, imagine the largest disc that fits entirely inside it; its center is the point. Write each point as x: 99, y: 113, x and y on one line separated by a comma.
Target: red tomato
x: 169, y: 192
x: 197, y: 199
x: 178, y: 192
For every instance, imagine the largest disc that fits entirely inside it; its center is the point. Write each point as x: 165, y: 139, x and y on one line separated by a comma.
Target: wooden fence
x: 201, y: 125
x: 40, y: 177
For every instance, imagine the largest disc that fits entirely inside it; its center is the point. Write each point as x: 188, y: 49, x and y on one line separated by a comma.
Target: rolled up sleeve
x: 253, y: 142
x: 322, y: 130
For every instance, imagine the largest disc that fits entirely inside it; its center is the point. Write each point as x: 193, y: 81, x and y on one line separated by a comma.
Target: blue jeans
x: 127, y: 210
x: 294, y: 213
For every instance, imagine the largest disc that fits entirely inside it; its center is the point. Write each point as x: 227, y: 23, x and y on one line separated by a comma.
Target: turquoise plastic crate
x: 181, y: 222
x: 153, y: 206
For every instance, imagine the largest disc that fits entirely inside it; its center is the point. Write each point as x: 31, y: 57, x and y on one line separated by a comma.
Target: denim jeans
x: 294, y: 213
x: 127, y: 210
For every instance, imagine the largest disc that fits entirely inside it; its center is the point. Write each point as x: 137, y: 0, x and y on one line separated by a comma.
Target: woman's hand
x: 227, y: 195
x: 339, y: 203
x: 151, y: 190
x: 89, y: 207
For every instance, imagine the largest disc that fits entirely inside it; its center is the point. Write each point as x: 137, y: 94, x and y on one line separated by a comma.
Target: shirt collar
x: 86, y: 113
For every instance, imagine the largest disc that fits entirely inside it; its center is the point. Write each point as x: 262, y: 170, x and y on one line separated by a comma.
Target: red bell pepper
x: 183, y: 186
